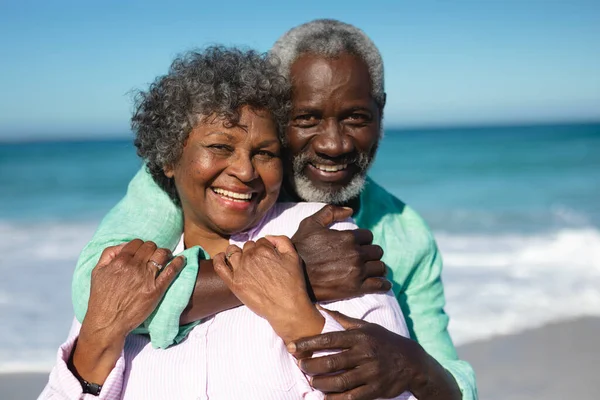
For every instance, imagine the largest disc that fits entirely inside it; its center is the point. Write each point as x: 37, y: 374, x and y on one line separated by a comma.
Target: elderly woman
x: 208, y: 132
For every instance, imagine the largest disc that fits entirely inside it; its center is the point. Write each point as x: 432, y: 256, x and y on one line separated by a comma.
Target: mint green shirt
x: 411, y: 254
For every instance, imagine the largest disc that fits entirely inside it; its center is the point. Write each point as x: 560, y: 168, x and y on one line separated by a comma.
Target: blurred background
x: 492, y: 133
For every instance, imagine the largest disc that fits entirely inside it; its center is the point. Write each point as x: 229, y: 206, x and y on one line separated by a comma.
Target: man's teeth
x: 233, y: 195
x: 330, y: 168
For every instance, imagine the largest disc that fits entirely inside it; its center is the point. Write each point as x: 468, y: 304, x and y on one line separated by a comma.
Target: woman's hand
x: 268, y: 278
x: 126, y: 287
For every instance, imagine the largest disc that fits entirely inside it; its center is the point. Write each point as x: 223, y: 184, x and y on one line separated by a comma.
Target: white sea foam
x: 495, y: 284
x: 504, y: 284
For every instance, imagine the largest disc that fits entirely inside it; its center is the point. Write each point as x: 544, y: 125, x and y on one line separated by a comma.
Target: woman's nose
x: 242, y: 168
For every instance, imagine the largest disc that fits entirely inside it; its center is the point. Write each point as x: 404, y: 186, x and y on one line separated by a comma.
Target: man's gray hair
x: 330, y: 38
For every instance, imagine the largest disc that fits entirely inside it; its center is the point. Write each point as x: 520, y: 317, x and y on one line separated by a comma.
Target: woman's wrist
x: 96, y: 353
x: 303, y: 321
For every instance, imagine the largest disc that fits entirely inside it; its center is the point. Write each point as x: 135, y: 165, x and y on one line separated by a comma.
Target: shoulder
x: 388, y: 216
x: 408, y: 243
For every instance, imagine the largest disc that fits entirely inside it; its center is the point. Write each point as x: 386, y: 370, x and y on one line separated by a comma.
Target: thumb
x: 330, y: 214
x: 344, y: 320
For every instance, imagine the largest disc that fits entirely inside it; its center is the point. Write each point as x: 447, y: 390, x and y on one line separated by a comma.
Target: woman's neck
x: 212, y: 242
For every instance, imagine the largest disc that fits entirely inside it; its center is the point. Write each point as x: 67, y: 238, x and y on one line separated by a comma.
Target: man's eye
x: 305, y: 119
x: 358, y: 117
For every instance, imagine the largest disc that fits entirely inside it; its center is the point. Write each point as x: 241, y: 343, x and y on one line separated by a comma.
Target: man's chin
x: 328, y: 192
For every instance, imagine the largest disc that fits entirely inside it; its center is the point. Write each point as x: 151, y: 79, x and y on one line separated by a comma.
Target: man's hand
x: 375, y: 363
x: 339, y: 264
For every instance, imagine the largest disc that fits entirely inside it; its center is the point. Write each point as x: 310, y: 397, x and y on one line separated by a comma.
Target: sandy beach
x: 557, y: 361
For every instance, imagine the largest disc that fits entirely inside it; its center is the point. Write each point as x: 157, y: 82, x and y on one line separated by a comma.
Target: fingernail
x: 291, y: 347
x: 184, y: 259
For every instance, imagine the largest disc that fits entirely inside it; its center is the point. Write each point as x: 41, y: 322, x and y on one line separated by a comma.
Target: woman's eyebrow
x: 219, y: 133
x: 268, y: 142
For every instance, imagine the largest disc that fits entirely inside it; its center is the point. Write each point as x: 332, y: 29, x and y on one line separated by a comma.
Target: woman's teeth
x: 233, y: 195
x: 330, y: 168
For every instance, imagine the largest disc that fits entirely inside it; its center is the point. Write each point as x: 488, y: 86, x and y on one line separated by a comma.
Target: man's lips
x: 330, y: 167
x: 329, y: 173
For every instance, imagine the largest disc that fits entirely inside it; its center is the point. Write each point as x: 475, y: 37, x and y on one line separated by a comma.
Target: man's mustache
x: 362, y: 160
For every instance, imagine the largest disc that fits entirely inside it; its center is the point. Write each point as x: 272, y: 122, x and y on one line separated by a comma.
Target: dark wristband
x: 86, y: 387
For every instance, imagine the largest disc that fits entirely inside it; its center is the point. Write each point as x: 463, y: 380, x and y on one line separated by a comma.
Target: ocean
x: 515, y: 210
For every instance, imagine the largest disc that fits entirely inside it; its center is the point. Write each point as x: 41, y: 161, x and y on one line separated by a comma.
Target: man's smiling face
x: 334, y: 128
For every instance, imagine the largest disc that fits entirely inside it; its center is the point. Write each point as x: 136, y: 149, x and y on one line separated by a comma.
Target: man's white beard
x: 307, y: 191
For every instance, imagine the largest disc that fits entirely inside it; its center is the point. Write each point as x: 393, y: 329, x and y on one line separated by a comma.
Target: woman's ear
x: 169, y: 171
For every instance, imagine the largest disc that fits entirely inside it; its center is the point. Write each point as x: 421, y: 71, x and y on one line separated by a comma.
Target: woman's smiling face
x: 228, y: 177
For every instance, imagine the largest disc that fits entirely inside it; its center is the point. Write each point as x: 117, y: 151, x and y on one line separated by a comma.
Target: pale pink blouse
x: 232, y: 355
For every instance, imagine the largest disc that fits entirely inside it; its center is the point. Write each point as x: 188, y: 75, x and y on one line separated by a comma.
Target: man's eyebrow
x: 306, y: 110
x: 359, y: 108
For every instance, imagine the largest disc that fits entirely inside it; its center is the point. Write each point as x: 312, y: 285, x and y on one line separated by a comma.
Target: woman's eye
x: 220, y: 148
x: 265, y: 154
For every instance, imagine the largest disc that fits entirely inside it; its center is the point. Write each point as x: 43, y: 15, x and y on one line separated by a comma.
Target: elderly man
x: 338, y: 98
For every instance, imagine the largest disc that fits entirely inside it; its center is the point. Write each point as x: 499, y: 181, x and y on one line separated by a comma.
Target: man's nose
x: 331, y: 141
x: 242, y: 167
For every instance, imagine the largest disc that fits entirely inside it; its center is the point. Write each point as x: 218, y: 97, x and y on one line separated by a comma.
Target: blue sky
x: 67, y: 68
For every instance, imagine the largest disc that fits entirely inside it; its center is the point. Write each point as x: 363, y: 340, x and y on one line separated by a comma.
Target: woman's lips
x: 234, y: 200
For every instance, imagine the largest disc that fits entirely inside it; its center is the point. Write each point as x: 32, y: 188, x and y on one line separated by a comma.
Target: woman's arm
x: 125, y: 289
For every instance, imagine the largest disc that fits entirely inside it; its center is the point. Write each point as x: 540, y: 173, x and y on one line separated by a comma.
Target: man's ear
x: 169, y: 171
x: 384, y: 100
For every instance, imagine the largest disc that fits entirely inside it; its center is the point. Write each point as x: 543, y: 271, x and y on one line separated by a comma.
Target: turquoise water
x: 516, y: 211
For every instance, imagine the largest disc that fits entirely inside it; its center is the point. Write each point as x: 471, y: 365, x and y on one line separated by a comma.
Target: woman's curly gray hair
x: 217, y: 81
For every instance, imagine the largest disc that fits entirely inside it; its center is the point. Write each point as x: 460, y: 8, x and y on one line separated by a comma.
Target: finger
x: 371, y: 252
x: 363, y: 236
x: 329, y: 364
x: 109, y: 254
x: 233, y: 256
x: 132, y: 247
x: 249, y: 245
x: 170, y: 272
x: 342, y: 382
x: 338, y: 340
x: 344, y: 320
x: 222, y: 269
x: 282, y: 243
x: 142, y: 255
x: 375, y: 269
x: 376, y: 285
x: 364, y: 392
x: 159, y: 259
x: 330, y: 214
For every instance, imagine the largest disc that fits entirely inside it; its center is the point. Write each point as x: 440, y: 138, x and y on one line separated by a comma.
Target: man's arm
x: 147, y: 213
x: 423, y: 303
x: 435, y: 372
